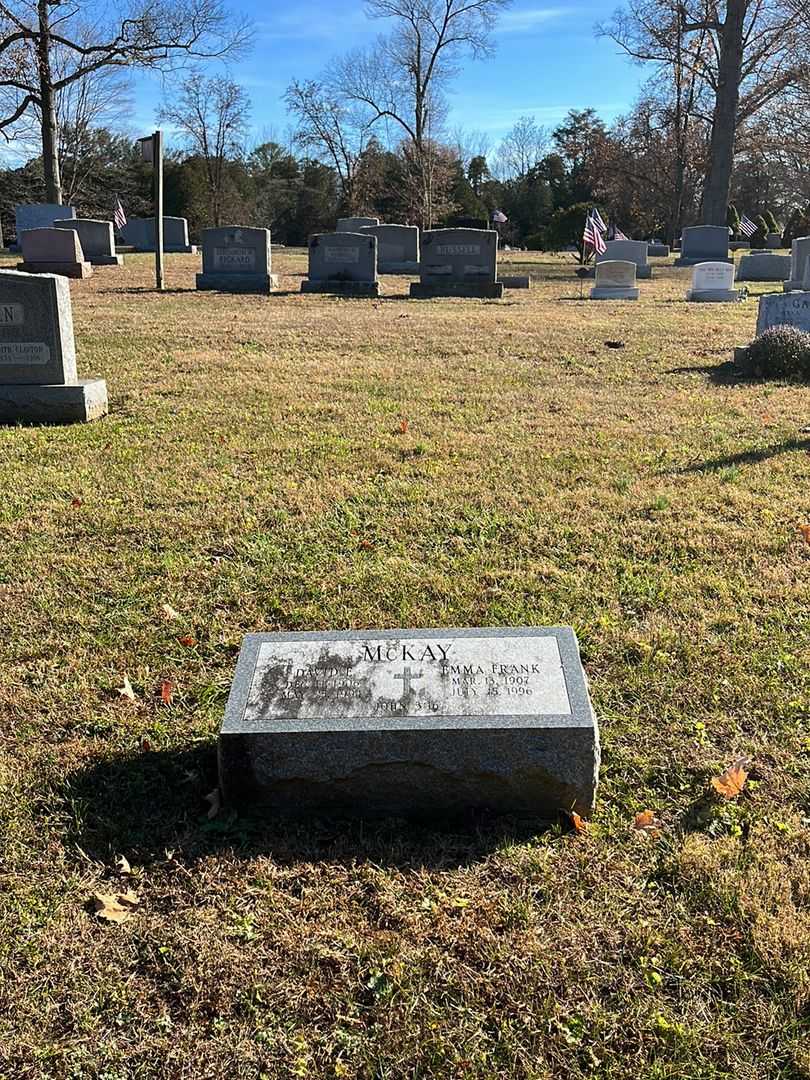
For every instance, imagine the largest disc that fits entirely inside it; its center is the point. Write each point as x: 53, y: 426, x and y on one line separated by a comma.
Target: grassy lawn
x: 254, y: 474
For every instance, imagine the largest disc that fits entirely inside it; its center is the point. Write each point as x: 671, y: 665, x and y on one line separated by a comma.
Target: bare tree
x: 522, y: 148
x: 745, y: 52
x: 401, y: 77
x: 211, y: 116
x: 88, y: 38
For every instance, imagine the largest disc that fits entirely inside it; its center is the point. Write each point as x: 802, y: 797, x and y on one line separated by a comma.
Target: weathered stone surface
x: 615, y: 280
x: 425, y: 722
x: 458, y: 262
x: 515, y: 281
x: 704, y: 243
x: 355, y: 224
x: 53, y: 251
x: 39, y: 216
x: 397, y: 248
x: 657, y: 251
x: 237, y: 259
x: 713, y: 283
x: 634, y: 251
x: 773, y: 240
x: 764, y: 266
x: 799, y: 256
x: 140, y: 234
x: 343, y: 263
x: 784, y: 309
x: 38, y: 382
x: 97, y: 240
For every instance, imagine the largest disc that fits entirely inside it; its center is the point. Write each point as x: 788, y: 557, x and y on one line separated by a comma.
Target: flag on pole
x: 592, y: 236
x: 597, y: 220
x: 618, y: 234
x: 119, y: 217
x: 499, y: 217
x: 747, y: 226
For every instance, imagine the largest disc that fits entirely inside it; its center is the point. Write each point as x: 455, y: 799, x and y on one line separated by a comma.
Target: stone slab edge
x: 263, y: 284
x: 54, y: 403
x: 490, y: 290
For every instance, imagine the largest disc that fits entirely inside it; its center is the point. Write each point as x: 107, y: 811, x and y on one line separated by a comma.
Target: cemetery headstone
x: 53, y: 251
x: 97, y: 240
x: 515, y: 281
x: 397, y: 248
x: 139, y: 233
x: 634, y: 251
x: 739, y: 245
x: 342, y: 263
x: 39, y: 216
x: 784, y: 309
x: 773, y: 240
x: 657, y: 250
x: 713, y: 283
x: 799, y: 254
x: 764, y: 266
x: 410, y: 722
x: 355, y: 224
x: 38, y: 381
x: 459, y: 262
x: 703, y: 243
x: 237, y: 260
x: 615, y: 280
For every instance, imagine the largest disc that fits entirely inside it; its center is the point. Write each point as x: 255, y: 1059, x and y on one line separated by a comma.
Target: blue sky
x: 547, y: 62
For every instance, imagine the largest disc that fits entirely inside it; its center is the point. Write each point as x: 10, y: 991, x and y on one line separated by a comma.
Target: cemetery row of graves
x: 401, y: 688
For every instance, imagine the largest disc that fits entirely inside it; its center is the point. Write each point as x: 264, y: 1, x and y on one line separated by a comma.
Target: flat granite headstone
x: 713, y: 283
x: 39, y: 216
x: 355, y: 224
x: 704, y: 243
x: 397, y: 248
x: 53, y: 251
x: 764, y: 266
x: 615, y: 280
x: 410, y: 722
x: 784, y: 309
x: 237, y: 260
x: 657, y: 250
x: 97, y: 240
x: 634, y: 251
x: 799, y: 254
x: 342, y: 263
x: 458, y: 262
x: 38, y: 381
x: 140, y: 234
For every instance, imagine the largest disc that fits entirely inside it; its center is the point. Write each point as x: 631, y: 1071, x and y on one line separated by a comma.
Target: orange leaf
x: 729, y: 784
x: 166, y: 692
x: 365, y: 545
x: 188, y: 641
x: 805, y: 531
x: 579, y: 823
x: 403, y: 427
x: 647, y: 822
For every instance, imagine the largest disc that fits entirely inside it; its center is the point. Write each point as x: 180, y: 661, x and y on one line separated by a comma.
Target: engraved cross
x: 407, y: 676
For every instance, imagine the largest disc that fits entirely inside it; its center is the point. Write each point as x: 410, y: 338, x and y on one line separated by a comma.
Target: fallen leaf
x: 123, y: 865
x: 76, y: 503
x: 805, y: 531
x: 579, y: 823
x: 215, y: 800
x: 403, y: 427
x: 729, y: 784
x: 146, y: 743
x: 166, y: 692
x: 169, y: 612
x: 365, y: 545
x: 115, y: 907
x: 126, y: 690
x: 188, y: 641
x: 647, y: 822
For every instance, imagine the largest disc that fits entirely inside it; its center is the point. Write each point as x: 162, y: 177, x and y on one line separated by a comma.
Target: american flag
x: 597, y: 220
x: 499, y: 217
x: 618, y: 234
x: 747, y: 226
x: 592, y: 236
x: 119, y: 217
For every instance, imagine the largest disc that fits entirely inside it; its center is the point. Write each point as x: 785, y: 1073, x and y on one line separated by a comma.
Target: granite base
x: 238, y: 283
x: 469, y: 290
x: 342, y: 288
x: 54, y: 404
x: 71, y: 270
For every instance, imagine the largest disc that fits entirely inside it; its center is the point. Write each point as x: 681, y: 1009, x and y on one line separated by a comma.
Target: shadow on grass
x: 143, y: 805
x: 725, y: 374
x: 749, y: 457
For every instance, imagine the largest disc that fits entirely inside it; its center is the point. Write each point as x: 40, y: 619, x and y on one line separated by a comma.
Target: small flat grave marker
x: 423, y: 722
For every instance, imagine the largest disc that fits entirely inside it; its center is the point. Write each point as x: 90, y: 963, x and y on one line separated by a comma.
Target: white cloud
x: 519, y: 22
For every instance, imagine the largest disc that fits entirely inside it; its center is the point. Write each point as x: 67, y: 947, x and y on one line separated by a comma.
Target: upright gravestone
x: 39, y: 216
x: 784, y: 309
x: 96, y: 238
x: 773, y: 241
x: 657, y: 249
x: 237, y: 260
x: 634, y: 251
x: 397, y: 248
x: 704, y: 243
x: 458, y: 262
x: 764, y: 266
x: 53, y: 251
x: 713, y: 283
x: 410, y: 722
x: 38, y: 382
x: 615, y: 280
x: 355, y: 224
x: 799, y: 255
x: 342, y: 263
x: 140, y: 234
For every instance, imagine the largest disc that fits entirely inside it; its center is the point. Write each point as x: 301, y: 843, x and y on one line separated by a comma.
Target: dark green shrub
x: 733, y: 218
x: 536, y: 242
x: 772, y: 223
x: 783, y: 352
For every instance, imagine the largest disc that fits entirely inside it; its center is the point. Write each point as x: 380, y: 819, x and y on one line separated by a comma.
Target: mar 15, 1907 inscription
x: 411, y: 721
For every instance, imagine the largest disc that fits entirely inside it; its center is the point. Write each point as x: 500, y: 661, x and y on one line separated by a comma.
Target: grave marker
x: 799, y: 254
x: 39, y: 216
x: 615, y: 280
x: 426, y: 722
x: 237, y: 260
x: 634, y: 251
x: 713, y: 283
x: 704, y: 243
x: 397, y: 248
x: 355, y: 224
x: 784, y: 309
x: 53, y: 251
x: 97, y: 240
x: 458, y: 262
x: 140, y: 234
x: 343, y: 263
x: 38, y: 381
x: 764, y: 266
